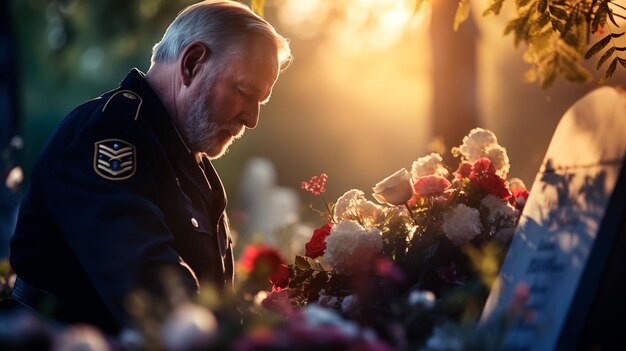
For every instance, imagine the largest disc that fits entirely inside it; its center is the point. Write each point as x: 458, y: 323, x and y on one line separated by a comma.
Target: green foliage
x: 556, y: 34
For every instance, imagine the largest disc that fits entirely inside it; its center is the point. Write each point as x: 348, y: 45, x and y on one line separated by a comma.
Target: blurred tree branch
x: 557, y: 36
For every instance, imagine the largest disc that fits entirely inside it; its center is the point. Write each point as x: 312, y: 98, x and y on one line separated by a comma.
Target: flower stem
x: 330, y: 213
x: 410, y: 213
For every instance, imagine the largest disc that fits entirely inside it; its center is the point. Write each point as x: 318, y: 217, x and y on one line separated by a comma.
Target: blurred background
x: 373, y: 86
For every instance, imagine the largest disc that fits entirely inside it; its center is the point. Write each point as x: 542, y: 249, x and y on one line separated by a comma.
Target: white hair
x: 223, y: 26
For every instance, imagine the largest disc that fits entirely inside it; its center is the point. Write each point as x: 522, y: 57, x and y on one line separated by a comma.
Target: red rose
x: 280, y: 277
x: 316, y: 246
x: 430, y: 185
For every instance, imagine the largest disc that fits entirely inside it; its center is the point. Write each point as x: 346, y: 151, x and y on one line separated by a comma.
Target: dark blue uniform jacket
x: 115, y: 196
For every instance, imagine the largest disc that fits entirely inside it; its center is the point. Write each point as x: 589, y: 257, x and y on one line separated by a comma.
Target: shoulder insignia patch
x: 114, y: 159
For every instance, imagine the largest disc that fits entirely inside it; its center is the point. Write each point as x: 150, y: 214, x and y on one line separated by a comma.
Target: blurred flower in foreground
x: 14, y: 178
x: 81, y: 338
x: 424, y: 299
x: 189, y: 327
x: 263, y: 262
x: 396, y: 189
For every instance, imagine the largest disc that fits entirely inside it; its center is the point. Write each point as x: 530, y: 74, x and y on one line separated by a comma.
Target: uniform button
x: 194, y: 222
x: 129, y: 96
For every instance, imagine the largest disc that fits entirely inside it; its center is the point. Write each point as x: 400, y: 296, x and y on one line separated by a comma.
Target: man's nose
x: 250, y: 117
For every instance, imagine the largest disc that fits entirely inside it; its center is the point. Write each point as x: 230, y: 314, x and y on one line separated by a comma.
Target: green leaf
x: 495, y: 7
x: 542, y: 6
x: 599, y: 17
x: 558, y: 13
x: 462, y: 13
x: 302, y: 262
x: 605, y: 57
x: 541, y: 22
x: 609, y: 72
x: 573, y: 71
x: 257, y: 7
x: 598, y: 46
x: 610, y: 13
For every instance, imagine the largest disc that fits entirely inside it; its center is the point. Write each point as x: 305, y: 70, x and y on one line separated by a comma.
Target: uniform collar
x: 154, y: 111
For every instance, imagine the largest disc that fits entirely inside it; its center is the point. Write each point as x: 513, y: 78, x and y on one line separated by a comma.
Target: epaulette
x: 129, y: 97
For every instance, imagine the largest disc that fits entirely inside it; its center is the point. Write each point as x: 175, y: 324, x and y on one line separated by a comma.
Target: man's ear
x: 194, y: 55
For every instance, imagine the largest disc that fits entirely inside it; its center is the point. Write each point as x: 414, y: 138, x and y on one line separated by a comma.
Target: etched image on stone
x: 560, y: 224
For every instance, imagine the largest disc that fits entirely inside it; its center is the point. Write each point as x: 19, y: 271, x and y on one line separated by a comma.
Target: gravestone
x: 569, y: 250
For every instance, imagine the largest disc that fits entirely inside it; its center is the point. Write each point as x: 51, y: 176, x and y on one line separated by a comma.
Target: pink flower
x: 316, y: 185
x: 278, y: 301
x: 385, y: 268
x: 431, y: 185
x: 316, y: 246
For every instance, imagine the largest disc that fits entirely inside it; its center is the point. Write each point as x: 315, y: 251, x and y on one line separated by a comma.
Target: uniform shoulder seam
x: 131, y: 95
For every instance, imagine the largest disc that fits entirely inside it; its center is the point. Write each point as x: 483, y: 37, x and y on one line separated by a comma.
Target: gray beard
x: 203, y: 133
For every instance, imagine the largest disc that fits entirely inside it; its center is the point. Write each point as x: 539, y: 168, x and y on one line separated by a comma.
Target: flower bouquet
x: 433, y: 229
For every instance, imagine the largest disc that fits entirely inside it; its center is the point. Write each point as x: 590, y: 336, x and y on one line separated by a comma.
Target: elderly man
x: 125, y: 186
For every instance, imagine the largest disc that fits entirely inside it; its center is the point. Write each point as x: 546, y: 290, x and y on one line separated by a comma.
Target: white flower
x: 327, y: 301
x: 315, y: 316
x: 14, y: 178
x: 81, y: 337
x: 189, y: 327
x: 461, y: 224
x: 397, y: 189
x: 498, y: 157
x: 422, y: 298
x: 429, y: 165
x: 349, y: 304
x: 354, y: 206
x: 350, y: 248
x: 499, y: 210
x: 475, y: 143
x: 483, y: 143
x: 443, y: 340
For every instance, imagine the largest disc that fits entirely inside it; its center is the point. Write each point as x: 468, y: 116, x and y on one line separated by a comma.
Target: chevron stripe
x: 115, y: 173
x: 113, y: 151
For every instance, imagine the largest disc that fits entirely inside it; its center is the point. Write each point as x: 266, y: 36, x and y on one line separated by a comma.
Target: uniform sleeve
x: 106, y: 210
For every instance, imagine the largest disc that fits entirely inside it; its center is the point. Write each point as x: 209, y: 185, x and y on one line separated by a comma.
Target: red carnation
x: 316, y: 246
x: 464, y: 170
x: 492, y: 183
x: 483, y: 165
x: 519, y: 198
x: 431, y: 185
